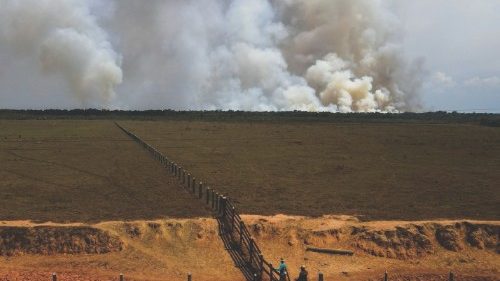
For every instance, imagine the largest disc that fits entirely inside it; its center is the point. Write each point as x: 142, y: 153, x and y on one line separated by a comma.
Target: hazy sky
x: 226, y: 54
x: 460, y: 42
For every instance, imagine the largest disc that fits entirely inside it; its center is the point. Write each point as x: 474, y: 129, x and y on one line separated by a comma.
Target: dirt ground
x: 376, y: 171
x: 169, y: 249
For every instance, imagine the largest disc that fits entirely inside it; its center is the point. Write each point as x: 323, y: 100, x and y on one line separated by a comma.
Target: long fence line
x: 121, y: 277
x: 232, y: 226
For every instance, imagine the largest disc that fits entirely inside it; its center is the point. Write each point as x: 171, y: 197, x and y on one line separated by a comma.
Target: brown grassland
x: 379, y: 189
x: 374, y: 171
x: 82, y: 171
x: 90, y: 171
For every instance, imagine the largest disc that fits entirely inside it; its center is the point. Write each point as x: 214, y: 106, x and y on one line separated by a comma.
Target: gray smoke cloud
x: 314, y: 55
x: 62, y: 38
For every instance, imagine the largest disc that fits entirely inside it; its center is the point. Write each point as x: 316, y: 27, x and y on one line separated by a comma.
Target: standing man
x: 282, y: 269
x: 302, y: 274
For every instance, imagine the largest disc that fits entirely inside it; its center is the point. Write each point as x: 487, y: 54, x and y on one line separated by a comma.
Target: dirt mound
x: 402, y: 242
x: 399, y: 240
x: 49, y: 240
x: 415, y: 240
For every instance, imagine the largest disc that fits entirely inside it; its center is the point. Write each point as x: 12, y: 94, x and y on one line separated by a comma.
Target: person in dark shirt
x: 302, y: 274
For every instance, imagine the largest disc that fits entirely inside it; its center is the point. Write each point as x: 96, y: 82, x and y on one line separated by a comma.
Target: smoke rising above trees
x: 262, y: 55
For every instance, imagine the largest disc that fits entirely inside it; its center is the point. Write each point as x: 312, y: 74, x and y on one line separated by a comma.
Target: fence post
x: 271, y: 271
x: 222, y: 211
x: 221, y: 205
x: 216, y: 201
x: 54, y: 276
x: 386, y: 277
x: 451, y: 277
x: 261, y: 265
x: 232, y: 218
x: 200, y: 190
x: 121, y: 277
x: 190, y: 278
x: 242, y: 225
x: 193, y: 183
x: 251, y: 250
x: 188, y: 181
x: 212, y: 198
x: 208, y: 195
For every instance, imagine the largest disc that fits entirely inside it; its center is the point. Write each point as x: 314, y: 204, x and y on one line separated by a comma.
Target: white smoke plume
x: 265, y: 55
x: 67, y: 41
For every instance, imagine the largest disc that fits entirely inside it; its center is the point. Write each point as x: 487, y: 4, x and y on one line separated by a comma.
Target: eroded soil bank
x: 168, y: 249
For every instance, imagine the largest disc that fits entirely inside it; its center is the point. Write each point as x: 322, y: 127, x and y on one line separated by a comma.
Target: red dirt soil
x: 168, y: 249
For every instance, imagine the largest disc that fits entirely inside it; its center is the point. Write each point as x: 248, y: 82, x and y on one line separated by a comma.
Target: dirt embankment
x: 50, y: 240
x: 166, y: 249
x: 170, y: 248
x: 409, y: 250
x: 414, y: 240
x: 400, y: 240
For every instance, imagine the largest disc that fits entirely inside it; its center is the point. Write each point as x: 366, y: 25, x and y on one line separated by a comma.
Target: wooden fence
x: 232, y: 226
x: 121, y: 277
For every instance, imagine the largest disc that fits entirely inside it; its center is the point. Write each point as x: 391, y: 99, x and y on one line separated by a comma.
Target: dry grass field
x: 376, y: 171
x: 65, y: 170
x: 82, y: 171
x: 89, y: 177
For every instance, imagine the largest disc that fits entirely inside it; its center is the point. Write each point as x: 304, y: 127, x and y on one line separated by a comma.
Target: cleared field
x: 83, y: 171
x: 376, y: 171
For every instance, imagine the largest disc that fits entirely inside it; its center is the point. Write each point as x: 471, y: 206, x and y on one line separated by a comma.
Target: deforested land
x: 58, y: 169
x: 414, y: 194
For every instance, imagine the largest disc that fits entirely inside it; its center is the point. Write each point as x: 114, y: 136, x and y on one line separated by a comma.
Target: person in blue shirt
x: 282, y: 270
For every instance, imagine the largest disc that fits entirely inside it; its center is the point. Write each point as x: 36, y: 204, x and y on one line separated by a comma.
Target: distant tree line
x: 487, y: 119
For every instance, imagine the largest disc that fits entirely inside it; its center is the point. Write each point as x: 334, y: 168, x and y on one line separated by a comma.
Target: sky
x: 459, y: 41
x: 316, y: 55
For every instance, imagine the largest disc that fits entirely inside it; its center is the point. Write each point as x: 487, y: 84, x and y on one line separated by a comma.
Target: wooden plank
x: 330, y: 251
